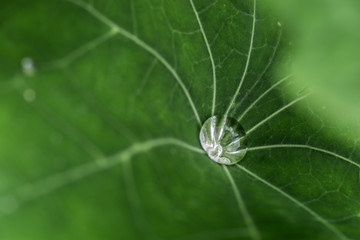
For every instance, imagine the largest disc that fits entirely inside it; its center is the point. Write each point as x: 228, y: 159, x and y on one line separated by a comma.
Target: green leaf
x: 99, y: 128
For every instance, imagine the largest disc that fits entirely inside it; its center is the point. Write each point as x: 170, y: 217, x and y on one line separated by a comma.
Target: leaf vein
x: 277, y: 112
x: 210, y: 55
x: 247, y: 61
x: 297, y: 202
x: 49, y: 184
x: 262, y: 95
x: 263, y: 72
x: 307, y: 147
x: 254, y: 233
x: 91, y: 10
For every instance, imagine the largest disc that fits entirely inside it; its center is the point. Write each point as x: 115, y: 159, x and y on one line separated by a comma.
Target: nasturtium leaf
x: 100, y: 112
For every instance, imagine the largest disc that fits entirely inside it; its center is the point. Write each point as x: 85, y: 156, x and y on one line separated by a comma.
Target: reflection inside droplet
x: 223, y: 139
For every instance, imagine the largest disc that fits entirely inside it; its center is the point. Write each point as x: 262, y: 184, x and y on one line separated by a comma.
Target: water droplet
x: 28, y: 66
x: 224, y: 139
x: 29, y: 95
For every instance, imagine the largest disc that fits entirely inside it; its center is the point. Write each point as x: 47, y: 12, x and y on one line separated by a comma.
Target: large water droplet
x: 224, y: 139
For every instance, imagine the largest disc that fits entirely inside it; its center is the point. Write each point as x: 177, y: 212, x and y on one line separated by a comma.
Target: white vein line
x: 145, y: 77
x: 65, y: 61
x: 297, y: 202
x: 134, y: 200
x: 91, y: 10
x: 262, y: 95
x: 264, y: 71
x: 47, y: 185
x: 306, y: 147
x: 247, y: 61
x: 253, y: 231
x: 210, y: 55
x: 277, y: 112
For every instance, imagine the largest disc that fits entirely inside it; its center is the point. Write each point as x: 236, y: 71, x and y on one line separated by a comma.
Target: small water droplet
x: 28, y: 66
x: 29, y: 95
x: 224, y: 140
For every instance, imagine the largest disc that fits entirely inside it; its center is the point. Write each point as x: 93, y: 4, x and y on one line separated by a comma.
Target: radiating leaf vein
x: 45, y: 186
x: 90, y: 9
x: 253, y: 231
x: 306, y: 147
x: 247, y: 60
x: 298, y: 203
x: 210, y: 55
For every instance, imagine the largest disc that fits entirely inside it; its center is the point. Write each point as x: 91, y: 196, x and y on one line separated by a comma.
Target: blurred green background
x: 326, y: 40
x: 101, y: 103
